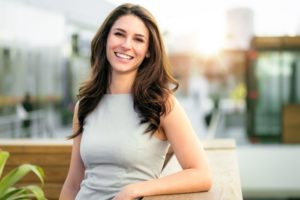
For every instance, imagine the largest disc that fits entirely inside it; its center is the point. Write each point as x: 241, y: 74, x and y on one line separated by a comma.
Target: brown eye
x: 118, y: 34
x: 139, y: 40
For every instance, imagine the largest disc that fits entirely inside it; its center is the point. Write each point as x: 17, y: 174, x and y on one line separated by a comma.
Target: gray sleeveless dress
x: 115, y: 150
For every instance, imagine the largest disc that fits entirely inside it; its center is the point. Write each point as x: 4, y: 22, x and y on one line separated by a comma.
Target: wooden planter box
x: 54, y: 157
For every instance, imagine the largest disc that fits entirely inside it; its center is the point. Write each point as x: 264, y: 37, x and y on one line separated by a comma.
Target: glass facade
x: 273, y: 77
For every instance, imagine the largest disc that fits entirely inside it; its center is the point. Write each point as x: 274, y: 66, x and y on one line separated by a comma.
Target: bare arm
x: 76, y: 169
x: 195, y: 175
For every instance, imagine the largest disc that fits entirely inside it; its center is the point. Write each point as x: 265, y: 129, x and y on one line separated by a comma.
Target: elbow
x: 208, y: 182
x: 205, y: 181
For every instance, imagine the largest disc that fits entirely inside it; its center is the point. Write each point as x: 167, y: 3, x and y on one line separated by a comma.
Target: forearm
x: 189, y: 180
x: 68, y: 193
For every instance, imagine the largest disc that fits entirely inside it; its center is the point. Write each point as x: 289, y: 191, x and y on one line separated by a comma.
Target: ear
x: 148, y: 54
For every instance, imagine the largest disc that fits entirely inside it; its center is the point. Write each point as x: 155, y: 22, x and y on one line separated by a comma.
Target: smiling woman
x: 127, y: 45
x: 127, y: 117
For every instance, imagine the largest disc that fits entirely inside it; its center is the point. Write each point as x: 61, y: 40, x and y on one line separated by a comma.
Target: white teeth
x: 124, y: 56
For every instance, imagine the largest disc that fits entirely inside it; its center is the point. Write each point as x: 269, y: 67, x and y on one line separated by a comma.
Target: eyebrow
x: 137, y: 34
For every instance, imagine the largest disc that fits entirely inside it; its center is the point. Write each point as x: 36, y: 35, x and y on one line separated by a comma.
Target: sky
x: 207, y: 19
x: 271, y: 16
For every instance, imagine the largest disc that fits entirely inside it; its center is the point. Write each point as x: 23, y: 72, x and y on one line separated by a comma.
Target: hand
x: 127, y: 193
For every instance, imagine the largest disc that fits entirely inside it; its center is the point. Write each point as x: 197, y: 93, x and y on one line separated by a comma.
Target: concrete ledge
x: 54, y: 157
x: 270, y: 171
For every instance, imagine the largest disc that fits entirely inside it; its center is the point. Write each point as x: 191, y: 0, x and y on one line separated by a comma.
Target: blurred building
x: 44, y: 51
x: 239, y: 28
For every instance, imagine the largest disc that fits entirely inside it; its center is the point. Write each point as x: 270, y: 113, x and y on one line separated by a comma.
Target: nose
x: 127, y: 43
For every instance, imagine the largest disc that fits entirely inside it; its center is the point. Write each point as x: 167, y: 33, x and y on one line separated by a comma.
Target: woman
x: 127, y: 117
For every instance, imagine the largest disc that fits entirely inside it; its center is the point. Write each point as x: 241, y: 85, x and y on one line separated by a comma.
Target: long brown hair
x: 151, y: 87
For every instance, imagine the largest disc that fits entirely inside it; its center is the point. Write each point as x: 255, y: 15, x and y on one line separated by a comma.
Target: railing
x: 11, y: 125
x: 215, y: 125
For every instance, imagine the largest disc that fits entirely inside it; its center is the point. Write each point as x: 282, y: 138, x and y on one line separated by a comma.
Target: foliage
x: 8, y: 191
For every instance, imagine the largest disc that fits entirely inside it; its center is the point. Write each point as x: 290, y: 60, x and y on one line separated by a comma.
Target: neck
x: 121, y: 84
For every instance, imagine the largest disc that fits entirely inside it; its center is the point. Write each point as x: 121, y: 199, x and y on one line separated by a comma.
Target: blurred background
x: 237, y: 62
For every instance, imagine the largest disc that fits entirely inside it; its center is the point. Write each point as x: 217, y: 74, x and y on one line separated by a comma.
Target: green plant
x: 8, y: 191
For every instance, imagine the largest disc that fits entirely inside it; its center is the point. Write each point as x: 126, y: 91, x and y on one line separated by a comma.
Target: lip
x: 123, y: 56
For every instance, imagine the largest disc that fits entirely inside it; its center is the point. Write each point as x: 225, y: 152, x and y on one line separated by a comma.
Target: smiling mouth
x: 123, y: 56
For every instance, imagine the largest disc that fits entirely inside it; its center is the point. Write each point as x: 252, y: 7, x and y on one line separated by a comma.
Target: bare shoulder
x: 173, y: 107
x: 175, y: 116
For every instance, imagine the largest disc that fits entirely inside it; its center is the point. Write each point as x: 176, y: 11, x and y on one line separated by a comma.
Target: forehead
x: 131, y: 24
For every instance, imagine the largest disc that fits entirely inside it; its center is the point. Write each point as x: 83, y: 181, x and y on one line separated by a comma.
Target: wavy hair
x: 152, y: 85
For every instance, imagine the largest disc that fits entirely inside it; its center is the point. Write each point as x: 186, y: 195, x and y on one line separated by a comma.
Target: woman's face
x: 127, y: 44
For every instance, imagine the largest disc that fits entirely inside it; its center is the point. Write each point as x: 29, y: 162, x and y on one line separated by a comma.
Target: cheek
x: 109, y: 51
x: 110, y: 45
x: 143, y: 51
x: 111, y: 41
x: 146, y: 49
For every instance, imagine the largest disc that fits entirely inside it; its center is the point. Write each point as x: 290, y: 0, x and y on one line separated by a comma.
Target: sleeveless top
x: 116, y: 151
